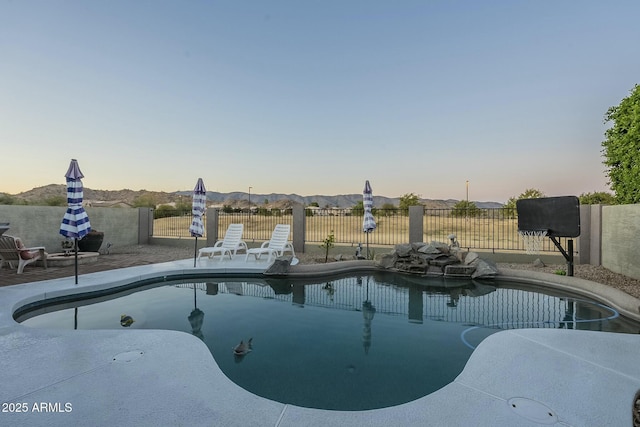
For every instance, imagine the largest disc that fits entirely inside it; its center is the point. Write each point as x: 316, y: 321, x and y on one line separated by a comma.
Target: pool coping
x: 119, y: 376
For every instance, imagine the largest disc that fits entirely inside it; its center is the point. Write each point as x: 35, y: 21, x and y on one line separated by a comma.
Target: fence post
x: 584, y: 245
x: 212, y: 226
x: 299, y: 227
x: 145, y: 225
x: 595, y: 233
x: 416, y: 227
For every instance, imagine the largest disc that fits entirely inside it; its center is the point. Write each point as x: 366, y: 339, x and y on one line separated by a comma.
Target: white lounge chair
x: 231, y: 243
x: 12, y: 250
x: 275, y: 247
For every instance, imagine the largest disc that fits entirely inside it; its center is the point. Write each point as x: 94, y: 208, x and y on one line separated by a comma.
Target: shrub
x: 327, y: 244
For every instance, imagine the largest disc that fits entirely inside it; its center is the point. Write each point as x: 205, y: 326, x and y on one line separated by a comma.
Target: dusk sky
x: 314, y: 97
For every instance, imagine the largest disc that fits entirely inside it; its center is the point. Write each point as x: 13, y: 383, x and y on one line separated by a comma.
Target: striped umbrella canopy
x: 75, y: 223
x: 198, y: 208
x: 369, y: 222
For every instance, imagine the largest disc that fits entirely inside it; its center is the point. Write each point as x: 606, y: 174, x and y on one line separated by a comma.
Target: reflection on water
x: 352, y: 343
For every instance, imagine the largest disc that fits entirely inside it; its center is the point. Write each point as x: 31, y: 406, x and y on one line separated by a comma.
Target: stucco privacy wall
x: 40, y: 225
x: 621, y: 239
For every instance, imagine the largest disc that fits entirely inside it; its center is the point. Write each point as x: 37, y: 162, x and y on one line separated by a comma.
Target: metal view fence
x: 487, y: 229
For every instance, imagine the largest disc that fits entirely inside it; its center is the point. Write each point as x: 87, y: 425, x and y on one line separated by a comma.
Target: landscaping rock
x: 441, y: 247
x: 538, y: 263
x: 429, y: 249
x: 436, y: 259
x: 387, y: 260
x: 280, y: 266
x: 403, y: 250
x: 470, y: 258
x: 485, y: 270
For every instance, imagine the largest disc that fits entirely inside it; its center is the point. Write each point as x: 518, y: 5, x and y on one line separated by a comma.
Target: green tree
x: 597, y: 198
x: 407, y: 200
x: 145, y: 201
x: 387, y: 209
x: 358, y: 209
x: 464, y: 208
x: 56, y: 201
x: 621, y: 148
x: 183, y: 208
x: 510, y: 206
x: 165, y: 211
x: 7, y: 199
x: 263, y: 211
x: 327, y: 244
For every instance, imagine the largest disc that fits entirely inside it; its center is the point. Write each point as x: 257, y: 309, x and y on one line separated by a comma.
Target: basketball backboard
x: 559, y: 216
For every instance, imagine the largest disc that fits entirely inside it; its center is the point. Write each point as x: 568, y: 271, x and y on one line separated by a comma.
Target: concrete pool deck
x: 526, y: 377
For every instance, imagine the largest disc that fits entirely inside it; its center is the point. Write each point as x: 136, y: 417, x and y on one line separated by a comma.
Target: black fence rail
x: 257, y: 227
x: 486, y: 229
x: 493, y: 229
x: 392, y: 227
x: 172, y: 224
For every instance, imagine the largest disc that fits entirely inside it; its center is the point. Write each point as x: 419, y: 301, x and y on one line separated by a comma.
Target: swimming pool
x: 351, y: 343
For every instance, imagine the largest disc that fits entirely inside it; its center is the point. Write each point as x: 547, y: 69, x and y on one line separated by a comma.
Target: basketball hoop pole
x: 568, y: 256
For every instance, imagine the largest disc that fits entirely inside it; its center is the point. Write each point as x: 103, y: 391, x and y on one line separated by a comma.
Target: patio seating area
x: 14, y: 254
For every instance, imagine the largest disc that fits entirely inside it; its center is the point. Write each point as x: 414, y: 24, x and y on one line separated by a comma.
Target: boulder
x: 428, y: 249
x: 471, y: 257
x: 388, y: 260
x: 442, y: 247
x: 403, y: 250
x: 485, y: 270
x: 417, y: 245
x: 432, y: 270
x: 538, y: 263
x: 459, y: 270
x: 280, y: 266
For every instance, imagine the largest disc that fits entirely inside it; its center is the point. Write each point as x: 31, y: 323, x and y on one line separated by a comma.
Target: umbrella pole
x: 75, y: 240
x: 195, y: 251
x: 367, y: 245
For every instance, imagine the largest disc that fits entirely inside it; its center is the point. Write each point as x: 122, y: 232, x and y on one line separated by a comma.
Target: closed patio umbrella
x: 199, y: 206
x: 369, y: 222
x: 75, y: 223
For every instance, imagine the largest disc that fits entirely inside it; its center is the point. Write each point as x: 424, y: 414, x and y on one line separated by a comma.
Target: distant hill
x: 235, y: 199
x: 40, y: 194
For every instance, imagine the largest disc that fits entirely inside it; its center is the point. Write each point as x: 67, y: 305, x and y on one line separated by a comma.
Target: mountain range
x: 234, y: 199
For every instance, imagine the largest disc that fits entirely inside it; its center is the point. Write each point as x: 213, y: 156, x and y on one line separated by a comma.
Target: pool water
x: 352, y: 343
